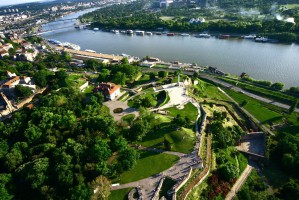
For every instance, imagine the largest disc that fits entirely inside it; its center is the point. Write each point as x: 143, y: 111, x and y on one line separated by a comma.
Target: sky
x: 13, y: 2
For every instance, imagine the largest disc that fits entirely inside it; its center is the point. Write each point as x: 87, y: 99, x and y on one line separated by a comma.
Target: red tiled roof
x: 107, y: 88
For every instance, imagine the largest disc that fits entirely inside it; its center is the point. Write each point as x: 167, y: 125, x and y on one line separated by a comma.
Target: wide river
x: 264, y: 61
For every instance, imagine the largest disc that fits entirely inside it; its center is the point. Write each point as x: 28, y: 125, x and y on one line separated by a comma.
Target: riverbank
x: 274, y: 62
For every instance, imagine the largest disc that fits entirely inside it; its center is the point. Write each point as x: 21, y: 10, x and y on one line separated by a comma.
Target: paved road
x: 237, y: 89
x: 241, y: 180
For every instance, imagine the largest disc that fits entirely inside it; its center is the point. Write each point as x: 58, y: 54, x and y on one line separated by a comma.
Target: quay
x: 84, y: 55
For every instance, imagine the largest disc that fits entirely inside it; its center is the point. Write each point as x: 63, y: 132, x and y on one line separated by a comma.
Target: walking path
x: 241, y: 180
x: 237, y: 89
x: 181, y: 168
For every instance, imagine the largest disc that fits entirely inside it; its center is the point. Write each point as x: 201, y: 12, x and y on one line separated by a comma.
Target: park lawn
x: 162, y: 118
x: 182, y: 140
x: 210, y: 91
x: 291, y: 6
x: 161, y: 66
x: 142, y: 80
x: 189, y: 110
x: 166, y: 18
x: 149, y: 163
x: 75, y: 80
x: 89, y: 89
x: 147, y: 93
x: 156, y: 138
x: 121, y: 194
x: 261, y: 91
x: 256, y: 108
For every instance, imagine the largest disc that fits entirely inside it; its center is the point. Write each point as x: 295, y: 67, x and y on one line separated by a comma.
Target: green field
x: 181, y: 140
x: 256, y: 108
x: 119, y: 194
x: 75, y: 80
x: 259, y: 90
x: 156, y: 98
x: 189, y: 110
x: 89, y: 89
x: 148, y: 164
x: 208, y: 90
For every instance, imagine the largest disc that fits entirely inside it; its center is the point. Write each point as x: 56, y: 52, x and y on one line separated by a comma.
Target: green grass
x: 154, y: 96
x: 166, y: 18
x: 291, y: 6
x: 142, y: 80
x: 208, y: 90
x: 182, y: 140
x: 128, y: 118
x: 166, y: 100
x: 162, y: 118
x: 189, y: 110
x: 148, y: 164
x: 89, y: 89
x: 259, y: 90
x: 119, y: 194
x: 161, y: 66
x: 75, y: 80
x: 256, y: 108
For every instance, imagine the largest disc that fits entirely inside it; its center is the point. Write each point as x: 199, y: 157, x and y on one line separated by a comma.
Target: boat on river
x: 251, y: 37
x: 261, y: 39
x: 170, y: 34
x: 185, y: 34
x: 203, y: 35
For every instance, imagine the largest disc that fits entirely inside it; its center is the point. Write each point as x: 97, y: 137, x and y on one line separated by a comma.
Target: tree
x: 228, y: 171
x: 23, y: 91
x: 293, y: 107
x: 152, y: 76
x: 290, y: 190
x: 37, y: 173
x: 120, y: 78
x: 104, y: 75
x: 101, y: 188
x: 40, y: 78
x: 92, y: 64
x: 244, y: 103
x: 5, y: 179
x: 139, y: 129
x: 162, y: 74
x: 277, y: 86
x: 128, y: 158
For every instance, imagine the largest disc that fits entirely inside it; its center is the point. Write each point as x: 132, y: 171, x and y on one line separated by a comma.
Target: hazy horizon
x: 15, y: 2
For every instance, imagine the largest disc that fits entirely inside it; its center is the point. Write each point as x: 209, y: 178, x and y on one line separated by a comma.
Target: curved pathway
x: 178, y: 170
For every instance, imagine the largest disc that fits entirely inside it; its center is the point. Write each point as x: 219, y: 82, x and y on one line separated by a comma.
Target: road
x: 241, y: 180
x: 237, y: 89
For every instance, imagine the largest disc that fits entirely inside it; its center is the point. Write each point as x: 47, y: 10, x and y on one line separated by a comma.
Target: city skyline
x: 15, y: 2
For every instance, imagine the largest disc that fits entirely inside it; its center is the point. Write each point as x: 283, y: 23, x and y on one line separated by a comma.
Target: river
x: 264, y: 61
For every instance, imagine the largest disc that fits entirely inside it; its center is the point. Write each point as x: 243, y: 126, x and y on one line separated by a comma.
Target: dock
x: 84, y: 54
